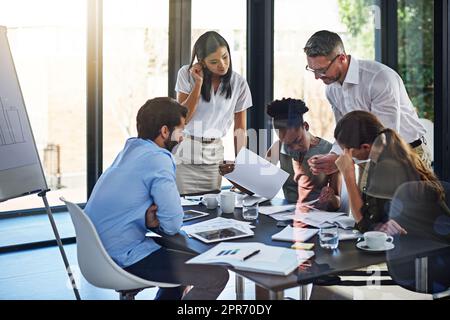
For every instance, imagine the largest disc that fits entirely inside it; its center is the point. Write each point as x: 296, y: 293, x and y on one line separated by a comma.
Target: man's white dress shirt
x: 374, y: 87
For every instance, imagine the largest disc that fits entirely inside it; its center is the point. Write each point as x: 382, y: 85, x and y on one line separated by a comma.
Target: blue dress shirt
x: 141, y: 175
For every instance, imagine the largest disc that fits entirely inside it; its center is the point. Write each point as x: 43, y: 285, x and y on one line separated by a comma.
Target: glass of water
x: 329, y: 237
x: 249, y: 210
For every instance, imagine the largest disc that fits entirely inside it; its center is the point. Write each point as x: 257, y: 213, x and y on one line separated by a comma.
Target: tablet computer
x: 226, y: 233
x: 193, y: 214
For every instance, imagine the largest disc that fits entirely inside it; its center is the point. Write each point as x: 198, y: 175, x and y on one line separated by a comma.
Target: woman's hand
x: 391, y: 227
x: 197, y: 72
x: 326, y: 195
x: 328, y: 200
x: 345, y: 163
x: 323, y: 163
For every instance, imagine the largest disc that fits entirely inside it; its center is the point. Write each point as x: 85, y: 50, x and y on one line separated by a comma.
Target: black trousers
x: 169, y: 266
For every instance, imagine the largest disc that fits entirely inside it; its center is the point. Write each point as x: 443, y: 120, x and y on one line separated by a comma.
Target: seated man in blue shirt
x: 139, y: 192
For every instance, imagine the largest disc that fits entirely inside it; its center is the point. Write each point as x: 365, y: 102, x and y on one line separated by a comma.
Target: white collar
x: 352, y: 72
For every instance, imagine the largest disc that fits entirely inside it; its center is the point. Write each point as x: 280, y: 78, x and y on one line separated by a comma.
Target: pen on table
x: 251, y: 255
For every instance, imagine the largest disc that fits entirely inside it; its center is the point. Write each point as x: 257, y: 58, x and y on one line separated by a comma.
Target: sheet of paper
x: 283, y: 216
x: 295, y: 234
x: 268, y: 210
x: 320, y: 219
x: 188, y: 202
x: 310, y: 202
x: 151, y: 234
x: 217, y: 223
x: 257, y: 174
x: 240, y: 198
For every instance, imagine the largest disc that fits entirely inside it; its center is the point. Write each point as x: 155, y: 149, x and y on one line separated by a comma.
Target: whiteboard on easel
x: 21, y: 171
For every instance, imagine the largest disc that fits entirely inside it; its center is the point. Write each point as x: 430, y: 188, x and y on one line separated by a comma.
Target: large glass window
x: 231, y: 22
x: 48, y: 44
x: 295, y: 22
x: 416, y: 57
x: 135, y: 65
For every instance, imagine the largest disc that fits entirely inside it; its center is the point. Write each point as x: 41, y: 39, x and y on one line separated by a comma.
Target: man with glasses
x: 354, y: 84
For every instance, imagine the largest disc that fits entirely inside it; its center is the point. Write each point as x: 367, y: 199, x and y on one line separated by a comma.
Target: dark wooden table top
x: 325, y: 262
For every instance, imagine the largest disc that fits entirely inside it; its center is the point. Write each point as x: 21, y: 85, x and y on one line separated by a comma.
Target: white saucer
x: 362, y: 245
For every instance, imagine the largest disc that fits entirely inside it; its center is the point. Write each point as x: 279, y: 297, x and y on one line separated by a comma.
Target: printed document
x: 255, y: 257
x: 257, y: 174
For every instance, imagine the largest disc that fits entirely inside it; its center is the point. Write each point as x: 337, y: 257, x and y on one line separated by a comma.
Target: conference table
x: 324, y: 263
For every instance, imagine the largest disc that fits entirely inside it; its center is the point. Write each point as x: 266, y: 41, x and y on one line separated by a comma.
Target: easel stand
x: 60, y: 245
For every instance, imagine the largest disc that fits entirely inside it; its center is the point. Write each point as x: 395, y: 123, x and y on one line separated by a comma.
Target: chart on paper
x: 16, y: 143
x: 11, y: 125
x: 20, y: 168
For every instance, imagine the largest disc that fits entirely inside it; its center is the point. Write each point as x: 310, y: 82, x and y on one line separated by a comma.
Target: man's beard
x: 169, y: 144
x: 333, y: 80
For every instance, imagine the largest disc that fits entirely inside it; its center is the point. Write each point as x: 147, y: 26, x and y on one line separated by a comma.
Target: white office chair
x: 97, y: 266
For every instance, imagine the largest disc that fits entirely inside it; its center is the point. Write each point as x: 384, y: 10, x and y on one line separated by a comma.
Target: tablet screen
x: 193, y: 214
x: 220, y: 234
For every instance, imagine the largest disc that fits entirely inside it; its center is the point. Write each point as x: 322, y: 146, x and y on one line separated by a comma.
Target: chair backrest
x: 95, y: 264
x: 415, y: 208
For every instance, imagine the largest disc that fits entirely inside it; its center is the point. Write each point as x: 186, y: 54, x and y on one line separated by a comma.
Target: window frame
x: 260, y: 39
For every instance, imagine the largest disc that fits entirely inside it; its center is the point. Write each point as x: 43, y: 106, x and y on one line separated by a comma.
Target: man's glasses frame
x: 322, y: 72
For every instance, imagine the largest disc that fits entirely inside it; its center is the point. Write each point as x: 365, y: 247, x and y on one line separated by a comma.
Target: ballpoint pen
x: 251, y: 254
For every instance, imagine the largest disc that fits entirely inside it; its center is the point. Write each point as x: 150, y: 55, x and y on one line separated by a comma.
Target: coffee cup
x: 210, y: 201
x: 227, y: 201
x: 376, y: 239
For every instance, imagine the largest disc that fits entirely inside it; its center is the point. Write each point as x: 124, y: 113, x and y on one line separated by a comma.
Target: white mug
x: 227, y: 201
x: 210, y: 201
x: 377, y: 239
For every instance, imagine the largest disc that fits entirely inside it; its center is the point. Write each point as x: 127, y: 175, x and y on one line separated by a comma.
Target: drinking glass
x: 329, y: 237
x: 249, y: 210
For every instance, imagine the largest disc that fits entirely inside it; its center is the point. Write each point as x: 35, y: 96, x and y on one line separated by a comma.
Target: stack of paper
x: 269, y: 210
x: 257, y: 174
x: 263, y: 259
x: 218, y: 223
x: 322, y: 219
x: 291, y: 234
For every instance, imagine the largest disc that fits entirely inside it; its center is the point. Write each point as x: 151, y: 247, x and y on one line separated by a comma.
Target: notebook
x: 255, y: 257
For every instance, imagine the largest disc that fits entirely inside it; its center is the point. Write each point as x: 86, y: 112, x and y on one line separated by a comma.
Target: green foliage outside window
x: 415, y: 45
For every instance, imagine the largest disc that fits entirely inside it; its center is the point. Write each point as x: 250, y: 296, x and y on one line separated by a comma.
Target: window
x: 135, y: 66
x: 231, y: 22
x: 416, y: 57
x: 48, y: 44
x: 295, y: 22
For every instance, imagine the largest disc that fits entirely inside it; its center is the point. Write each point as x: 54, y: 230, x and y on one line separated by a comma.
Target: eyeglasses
x: 322, y: 72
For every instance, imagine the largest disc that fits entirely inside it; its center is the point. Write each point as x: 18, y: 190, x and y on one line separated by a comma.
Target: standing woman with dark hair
x: 215, y: 96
